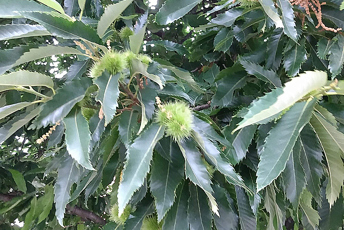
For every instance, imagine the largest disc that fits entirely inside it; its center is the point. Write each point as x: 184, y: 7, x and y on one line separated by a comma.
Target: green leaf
x: 199, y: 214
x: 9, y: 109
x: 306, y: 206
x: 176, y: 217
x: 311, y: 157
x: 333, y: 14
x: 63, y: 27
x: 26, y: 78
x: 53, y: 4
x: 10, y: 31
x: 16, y: 123
x: 247, y: 219
x: 268, y: 76
x: 81, y: 6
x: 271, y: 206
x: 12, y: 9
x: 214, y: 156
x: 226, y: 87
x: 196, y: 171
x: 324, y: 46
x: 76, y: 70
x: 108, y: 94
x: 294, y: 175
x: 68, y: 174
x: 111, y: 13
x: 44, y: 51
x: 10, y: 56
x: 342, y: 6
x: 138, y: 67
x: 78, y: 138
x: 165, y: 177
x: 240, y: 140
x: 139, y: 155
x: 271, y: 11
x: 332, y: 151
x: 294, y: 56
x: 228, y: 219
x: 63, y: 101
x: 176, y: 91
x: 145, y: 208
x: 183, y: 75
x: 331, y: 217
x: 174, y: 9
x: 128, y: 126
x: 336, y: 57
x: 46, y: 203
x: 223, y: 40
x: 278, y: 100
x: 170, y: 46
x: 30, y: 216
x: 136, y: 40
x: 228, y: 18
x: 274, y: 50
x: 288, y: 19
x: 273, y: 160
x: 19, y: 179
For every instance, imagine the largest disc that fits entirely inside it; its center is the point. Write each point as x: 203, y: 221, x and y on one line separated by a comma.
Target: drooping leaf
x: 246, y: 217
x: 227, y: 18
x: 294, y: 56
x: 12, y: 9
x: 9, y: 109
x: 62, y: 102
x: 53, y: 4
x: 333, y: 154
x: 170, y: 46
x: 284, y: 135
x: 30, y: 216
x: 213, y: 154
x: 211, y: 74
x: 324, y: 46
x: 199, y: 213
x: 146, y: 207
x: 108, y: 94
x: 147, y: 96
x: 271, y: 11
x: 288, y: 19
x: 223, y: 40
x: 336, y: 57
x: 10, y: 56
x: 165, y: 177
x: 294, y: 175
x: 331, y: 217
x: 271, y: 206
x: 226, y: 87
x: 265, y: 75
x: 63, y: 27
x: 177, y: 91
x: 228, y: 219
x: 174, y: 9
x: 78, y: 138
x: 18, y: 179
x: 26, y: 78
x: 306, y: 206
x: 111, y: 13
x: 139, y: 155
x: 46, y: 203
x: 43, y: 51
x: 128, y: 126
x: 311, y: 157
x: 8, y: 32
x: 240, y: 140
x: 274, y: 50
x: 71, y: 7
x: 68, y: 174
x: 16, y: 123
x: 136, y: 40
x: 76, y: 70
x: 331, y: 13
x: 176, y: 216
x: 278, y: 100
x: 138, y: 67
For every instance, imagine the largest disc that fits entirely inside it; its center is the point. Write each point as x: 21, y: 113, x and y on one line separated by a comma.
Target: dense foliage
x: 185, y: 114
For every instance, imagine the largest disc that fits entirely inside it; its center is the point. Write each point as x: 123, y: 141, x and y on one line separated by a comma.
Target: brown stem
x: 202, y: 107
x: 75, y: 210
x: 130, y: 94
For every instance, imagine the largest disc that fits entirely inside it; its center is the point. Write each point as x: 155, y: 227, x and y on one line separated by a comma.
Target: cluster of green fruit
x: 116, y: 62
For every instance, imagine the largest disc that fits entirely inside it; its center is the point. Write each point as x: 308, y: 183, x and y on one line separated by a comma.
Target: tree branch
x: 77, y: 211
x: 202, y: 107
